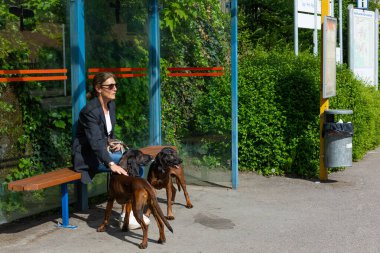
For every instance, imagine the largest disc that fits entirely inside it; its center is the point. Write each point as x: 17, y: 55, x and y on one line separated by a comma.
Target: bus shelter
x: 125, y: 37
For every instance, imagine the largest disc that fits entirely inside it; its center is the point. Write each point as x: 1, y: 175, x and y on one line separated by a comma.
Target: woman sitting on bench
x: 96, y: 125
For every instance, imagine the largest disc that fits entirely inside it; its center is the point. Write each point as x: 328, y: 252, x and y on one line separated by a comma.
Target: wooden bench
x: 62, y: 177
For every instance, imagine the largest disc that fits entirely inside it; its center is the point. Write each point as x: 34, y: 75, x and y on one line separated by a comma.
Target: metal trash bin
x: 338, y: 140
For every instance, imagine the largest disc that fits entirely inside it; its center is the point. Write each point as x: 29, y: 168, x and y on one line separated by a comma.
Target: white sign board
x: 308, y: 6
x: 329, y: 57
x: 362, y: 45
x: 307, y: 21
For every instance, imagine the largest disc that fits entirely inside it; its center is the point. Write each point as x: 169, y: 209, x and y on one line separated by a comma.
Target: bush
x: 364, y: 101
x: 279, y: 112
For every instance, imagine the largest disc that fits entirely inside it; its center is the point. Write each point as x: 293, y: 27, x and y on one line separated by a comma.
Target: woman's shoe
x: 133, y: 224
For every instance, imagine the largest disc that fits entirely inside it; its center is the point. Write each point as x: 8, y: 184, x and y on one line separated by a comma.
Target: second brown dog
x: 168, y: 165
x: 137, y: 194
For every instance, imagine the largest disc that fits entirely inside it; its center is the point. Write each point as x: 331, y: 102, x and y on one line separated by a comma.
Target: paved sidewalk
x: 273, y: 214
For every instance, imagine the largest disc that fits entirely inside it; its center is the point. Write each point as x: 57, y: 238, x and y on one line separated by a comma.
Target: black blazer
x: 89, y: 147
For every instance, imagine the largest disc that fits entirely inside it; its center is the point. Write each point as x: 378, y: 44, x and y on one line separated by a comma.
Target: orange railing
x: 119, y: 72
x: 45, y: 77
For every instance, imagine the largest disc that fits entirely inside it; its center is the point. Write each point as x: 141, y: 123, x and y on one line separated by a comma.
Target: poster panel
x: 329, y: 57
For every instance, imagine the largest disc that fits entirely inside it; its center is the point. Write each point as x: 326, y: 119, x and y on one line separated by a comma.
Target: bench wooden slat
x: 154, y: 150
x: 69, y: 177
x: 19, y: 184
x: 42, y: 181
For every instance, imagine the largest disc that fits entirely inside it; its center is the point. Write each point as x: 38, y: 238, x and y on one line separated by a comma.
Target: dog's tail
x: 178, y: 184
x: 156, y: 207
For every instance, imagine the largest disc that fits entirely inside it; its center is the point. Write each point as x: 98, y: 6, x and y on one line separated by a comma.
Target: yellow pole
x: 324, y: 102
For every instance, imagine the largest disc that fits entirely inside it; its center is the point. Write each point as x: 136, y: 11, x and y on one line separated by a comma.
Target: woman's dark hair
x: 99, y: 79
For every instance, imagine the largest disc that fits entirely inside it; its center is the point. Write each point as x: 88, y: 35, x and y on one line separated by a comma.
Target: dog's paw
x: 143, y: 245
x: 161, y: 240
x: 125, y: 228
x: 170, y: 217
x: 189, y: 205
x: 101, y: 228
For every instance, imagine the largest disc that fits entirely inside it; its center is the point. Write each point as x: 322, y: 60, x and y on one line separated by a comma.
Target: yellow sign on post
x: 324, y: 103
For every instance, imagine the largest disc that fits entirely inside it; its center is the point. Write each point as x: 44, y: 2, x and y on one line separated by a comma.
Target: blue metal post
x: 65, y: 208
x: 154, y: 75
x: 78, y: 77
x: 234, y: 92
x: 65, y: 205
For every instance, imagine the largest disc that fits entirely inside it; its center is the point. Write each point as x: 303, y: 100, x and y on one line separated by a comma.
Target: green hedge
x: 279, y: 112
x: 365, y: 102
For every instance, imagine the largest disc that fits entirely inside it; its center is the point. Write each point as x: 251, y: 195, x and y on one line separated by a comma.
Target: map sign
x: 362, y: 44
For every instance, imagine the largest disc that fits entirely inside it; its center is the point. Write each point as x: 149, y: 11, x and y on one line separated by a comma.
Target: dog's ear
x: 124, y: 161
x: 133, y: 166
x: 142, y: 159
x: 158, y: 157
x: 129, y: 152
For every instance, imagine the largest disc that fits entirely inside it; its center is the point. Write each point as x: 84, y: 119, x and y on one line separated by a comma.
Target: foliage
x: 364, y: 101
x: 199, y: 37
x: 270, y: 24
x: 12, y: 202
x: 263, y: 22
x: 43, y: 144
x: 278, y: 112
x: 176, y: 12
x: 273, y: 123
x: 106, y: 47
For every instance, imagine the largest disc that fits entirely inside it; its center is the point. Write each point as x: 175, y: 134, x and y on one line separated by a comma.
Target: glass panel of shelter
x: 117, y: 38
x: 196, y: 88
x: 33, y: 63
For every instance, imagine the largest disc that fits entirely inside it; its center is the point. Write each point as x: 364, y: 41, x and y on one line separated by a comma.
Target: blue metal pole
x: 77, y: 51
x: 154, y: 75
x: 65, y: 208
x: 234, y: 92
x: 65, y: 205
x: 78, y: 77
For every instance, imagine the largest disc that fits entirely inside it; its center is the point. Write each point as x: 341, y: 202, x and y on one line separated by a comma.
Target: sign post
x: 324, y: 103
x: 296, y: 27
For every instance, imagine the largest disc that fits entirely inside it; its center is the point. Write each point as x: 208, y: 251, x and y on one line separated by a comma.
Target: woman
x: 96, y: 124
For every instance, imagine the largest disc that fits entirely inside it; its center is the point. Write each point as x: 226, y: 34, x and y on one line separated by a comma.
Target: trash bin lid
x: 339, y: 111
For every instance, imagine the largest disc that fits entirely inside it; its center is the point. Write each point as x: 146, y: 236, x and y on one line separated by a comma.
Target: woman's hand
x: 116, y: 147
x: 117, y: 169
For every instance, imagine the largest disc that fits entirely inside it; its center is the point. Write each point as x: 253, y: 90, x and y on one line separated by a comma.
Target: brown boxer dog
x: 165, y: 166
x: 137, y: 194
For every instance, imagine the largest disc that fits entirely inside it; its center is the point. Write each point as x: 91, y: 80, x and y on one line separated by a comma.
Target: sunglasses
x: 109, y: 86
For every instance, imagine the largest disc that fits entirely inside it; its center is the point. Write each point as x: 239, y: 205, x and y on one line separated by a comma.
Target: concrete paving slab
x: 266, y: 214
